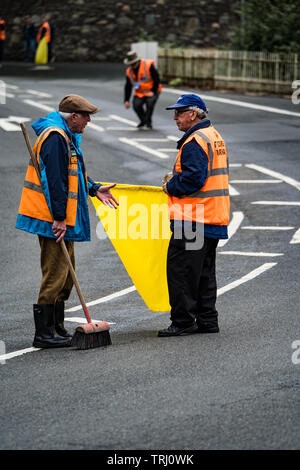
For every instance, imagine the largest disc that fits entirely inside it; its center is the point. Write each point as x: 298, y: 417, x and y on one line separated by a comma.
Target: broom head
x: 91, y: 335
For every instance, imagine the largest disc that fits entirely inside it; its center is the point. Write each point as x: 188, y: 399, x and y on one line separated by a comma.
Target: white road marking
x: 173, y: 138
x: 95, y: 127
x: 142, y: 147
x: 275, y: 174
x: 255, y: 181
x: 150, y: 139
x: 7, y: 124
x: 115, y: 128
x: 104, y: 299
x: 13, y: 87
x: 248, y: 277
x: 42, y: 106
x: 83, y: 320
x: 249, y: 253
x: 237, y: 219
x: 121, y: 119
x: 277, y: 203
x: 244, y: 104
x: 4, y: 357
x: 167, y: 150
x: 233, y: 191
x: 296, y: 237
x: 233, y: 165
x: 39, y: 93
x: 266, y: 227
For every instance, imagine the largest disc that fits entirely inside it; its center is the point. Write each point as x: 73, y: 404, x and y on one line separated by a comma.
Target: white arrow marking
x: 296, y: 237
x: 237, y: 219
x: 7, y: 123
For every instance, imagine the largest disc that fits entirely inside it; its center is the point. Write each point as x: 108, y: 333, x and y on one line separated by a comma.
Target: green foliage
x: 268, y: 25
x: 175, y: 81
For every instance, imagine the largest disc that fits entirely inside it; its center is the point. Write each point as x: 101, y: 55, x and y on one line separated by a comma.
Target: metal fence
x: 235, y: 70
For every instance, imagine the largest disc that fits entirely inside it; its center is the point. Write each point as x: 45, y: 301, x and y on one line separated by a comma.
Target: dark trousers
x: 144, y: 108
x: 56, y: 283
x: 192, y: 283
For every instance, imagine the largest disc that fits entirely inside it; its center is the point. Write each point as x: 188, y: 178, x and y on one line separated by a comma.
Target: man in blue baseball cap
x: 198, y: 199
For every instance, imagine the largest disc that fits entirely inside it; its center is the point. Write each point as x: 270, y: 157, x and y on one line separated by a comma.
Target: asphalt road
x: 238, y: 389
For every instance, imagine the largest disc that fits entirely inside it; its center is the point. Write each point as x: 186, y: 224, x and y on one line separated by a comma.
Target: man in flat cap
x: 198, y: 199
x: 66, y: 188
x: 143, y: 77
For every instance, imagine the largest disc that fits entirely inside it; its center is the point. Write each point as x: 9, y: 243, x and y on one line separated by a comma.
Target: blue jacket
x: 54, y: 175
x: 194, y: 173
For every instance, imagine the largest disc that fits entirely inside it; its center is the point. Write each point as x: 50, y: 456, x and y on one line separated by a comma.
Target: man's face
x: 79, y: 122
x: 185, y: 118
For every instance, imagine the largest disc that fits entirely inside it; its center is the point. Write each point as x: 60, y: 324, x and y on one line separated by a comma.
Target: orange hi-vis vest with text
x: 47, y: 34
x: 2, y: 31
x: 143, y: 82
x: 214, y: 195
x: 33, y: 201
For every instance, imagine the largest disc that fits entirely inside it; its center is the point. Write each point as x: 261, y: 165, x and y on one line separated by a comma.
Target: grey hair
x: 65, y: 116
x: 200, y: 112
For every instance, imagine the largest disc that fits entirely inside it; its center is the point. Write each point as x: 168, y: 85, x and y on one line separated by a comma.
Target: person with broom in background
x: 65, y: 192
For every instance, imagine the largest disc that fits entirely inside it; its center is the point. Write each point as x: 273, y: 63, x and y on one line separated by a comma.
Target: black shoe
x: 208, y: 329
x: 176, y: 330
x: 149, y: 126
x: 44, y: 329
x: 59, y: 316
x: 141, y: 124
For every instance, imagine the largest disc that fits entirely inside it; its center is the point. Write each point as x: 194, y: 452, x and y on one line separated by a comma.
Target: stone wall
x: 103, y: 30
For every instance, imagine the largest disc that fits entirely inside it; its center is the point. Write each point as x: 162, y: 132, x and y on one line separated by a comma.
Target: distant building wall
x: 103, y: 30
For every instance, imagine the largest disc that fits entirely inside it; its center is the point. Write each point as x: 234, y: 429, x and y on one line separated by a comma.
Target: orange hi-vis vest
x: 143, y: 82
x: 2, y: 31
x: 214, y: 195
x: 33, y: 201
x: 47, y: 34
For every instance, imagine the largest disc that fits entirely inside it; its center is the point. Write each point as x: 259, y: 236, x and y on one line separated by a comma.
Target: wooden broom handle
x: 62, y: 242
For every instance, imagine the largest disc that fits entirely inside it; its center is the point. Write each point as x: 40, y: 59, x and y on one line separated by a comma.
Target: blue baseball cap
x: 189, y: 100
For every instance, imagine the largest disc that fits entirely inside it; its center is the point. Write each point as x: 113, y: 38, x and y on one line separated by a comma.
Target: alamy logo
x: 296, y: 93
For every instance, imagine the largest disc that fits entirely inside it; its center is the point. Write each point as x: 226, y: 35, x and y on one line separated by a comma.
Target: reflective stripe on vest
x: 214, y: 195
x: 33, y: 201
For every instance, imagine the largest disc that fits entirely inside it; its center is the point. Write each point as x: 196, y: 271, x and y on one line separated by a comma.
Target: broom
x: 90, y: 335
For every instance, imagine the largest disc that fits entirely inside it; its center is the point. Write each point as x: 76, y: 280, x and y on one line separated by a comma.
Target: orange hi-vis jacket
x: 143, y: 82
x: 34, y: 198
x: 214, y: 195
x: 47, y: 34
x: 2, y: 31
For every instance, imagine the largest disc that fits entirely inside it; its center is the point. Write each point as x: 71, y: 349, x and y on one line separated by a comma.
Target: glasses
x: 177, y: 112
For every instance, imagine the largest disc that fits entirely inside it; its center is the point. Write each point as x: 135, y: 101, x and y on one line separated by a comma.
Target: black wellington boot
x: 59, y: 316
x: 44, y: 328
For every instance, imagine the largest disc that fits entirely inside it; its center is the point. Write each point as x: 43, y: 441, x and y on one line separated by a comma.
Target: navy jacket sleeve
x: 54, y: 154
x: 194, y: 167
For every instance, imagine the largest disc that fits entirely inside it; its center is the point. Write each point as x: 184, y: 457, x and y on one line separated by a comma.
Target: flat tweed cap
x: 76, y: 104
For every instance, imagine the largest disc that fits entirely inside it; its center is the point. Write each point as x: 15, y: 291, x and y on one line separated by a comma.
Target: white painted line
x: 4, y: 357
x: 39, y: 105
x: 143, y: 147
x: 173, y: 138
x: 13, y: 87
x: 244, y: 104
x: 167, y: 150
x: 233, y: 191
x: 277, y: 203
x: 121, y: 119
x: 83, y: 320
x: 150, y: 139
x: 296, y: 237
x: 255, y: 181
x: 237, y: 219
x: 253, y: 227
x: 233, y: 165
x: 104, y: 299
x: 95, y: 127
x: 115, y: 128
x: 275, y: 174
x: 248, y: 277
x: 249, y: 253
x: 101, y: 118
x: 39, y: 93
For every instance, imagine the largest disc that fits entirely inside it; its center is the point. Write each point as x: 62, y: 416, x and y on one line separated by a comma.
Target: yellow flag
x: 140, y: 232
x: 41, y: 55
